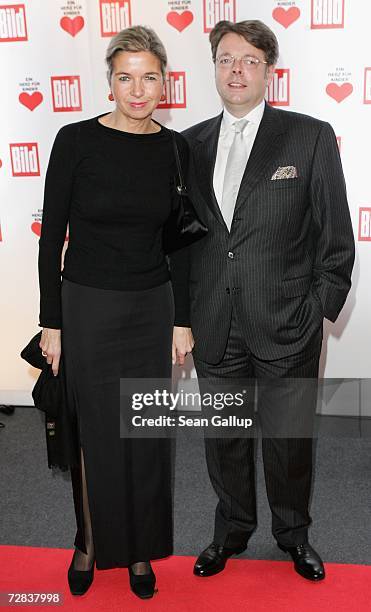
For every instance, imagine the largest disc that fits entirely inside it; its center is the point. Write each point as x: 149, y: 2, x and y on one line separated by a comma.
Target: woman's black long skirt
x: 108, y: 335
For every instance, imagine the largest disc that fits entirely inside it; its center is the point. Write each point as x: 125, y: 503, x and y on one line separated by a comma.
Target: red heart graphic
x: 339, y: 92
x: 36, y: 228
x: 72, y: 26
x: 180, y: 20
x: 286, y: 16
x: 31, y: 100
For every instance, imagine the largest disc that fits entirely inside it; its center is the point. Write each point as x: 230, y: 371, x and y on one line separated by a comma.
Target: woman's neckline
x: 122, y: 134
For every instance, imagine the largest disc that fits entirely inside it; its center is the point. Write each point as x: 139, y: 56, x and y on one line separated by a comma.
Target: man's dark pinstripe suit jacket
x: 287, y: 261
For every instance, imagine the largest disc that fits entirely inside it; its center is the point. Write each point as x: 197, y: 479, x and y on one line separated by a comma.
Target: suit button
x: 228, y: 290
x: 231, y: 255
x: 235, y: 290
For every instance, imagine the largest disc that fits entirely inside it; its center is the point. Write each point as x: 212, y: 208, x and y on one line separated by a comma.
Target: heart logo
x: 179, y: 21
x: 286, y: 17
x: 36, y: 228
x: 72, y: 26
x: 339, y: 92
x: 31, y: 100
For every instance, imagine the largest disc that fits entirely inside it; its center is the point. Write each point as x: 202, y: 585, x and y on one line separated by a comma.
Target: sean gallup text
x: 186, y: 421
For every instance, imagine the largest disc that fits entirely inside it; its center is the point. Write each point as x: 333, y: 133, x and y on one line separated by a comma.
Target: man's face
x: 241, y: 87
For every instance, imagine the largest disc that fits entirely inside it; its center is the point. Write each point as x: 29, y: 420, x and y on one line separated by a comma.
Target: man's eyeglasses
x: 249, y: 62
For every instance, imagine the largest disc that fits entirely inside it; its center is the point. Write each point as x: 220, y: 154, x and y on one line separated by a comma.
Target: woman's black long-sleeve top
x: 114, y: 191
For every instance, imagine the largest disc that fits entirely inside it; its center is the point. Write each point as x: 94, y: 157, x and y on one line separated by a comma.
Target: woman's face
x: 136, y: 83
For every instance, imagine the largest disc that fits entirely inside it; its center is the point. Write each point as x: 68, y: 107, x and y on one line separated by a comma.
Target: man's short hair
x: 254, y: 31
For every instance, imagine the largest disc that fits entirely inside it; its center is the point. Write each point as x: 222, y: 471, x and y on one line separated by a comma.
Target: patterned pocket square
x: 285, y: 172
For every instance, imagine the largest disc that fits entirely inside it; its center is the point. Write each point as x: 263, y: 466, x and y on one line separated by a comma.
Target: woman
x: 111, y: 179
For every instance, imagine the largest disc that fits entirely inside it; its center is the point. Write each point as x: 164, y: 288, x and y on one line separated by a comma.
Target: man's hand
x: 50, y: 345
x: 183, y: 343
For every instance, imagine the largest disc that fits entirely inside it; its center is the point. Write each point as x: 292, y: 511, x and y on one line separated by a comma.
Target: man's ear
x: 269, y: 72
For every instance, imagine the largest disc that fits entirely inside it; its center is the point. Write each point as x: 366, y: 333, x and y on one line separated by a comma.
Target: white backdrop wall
x: 53, y: 73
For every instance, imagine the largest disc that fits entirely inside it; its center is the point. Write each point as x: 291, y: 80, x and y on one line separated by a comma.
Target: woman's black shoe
x: 143, y: 585
x: 79, y: 581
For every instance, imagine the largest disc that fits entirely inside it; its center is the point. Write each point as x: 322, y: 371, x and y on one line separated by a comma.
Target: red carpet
x: 259, y: 586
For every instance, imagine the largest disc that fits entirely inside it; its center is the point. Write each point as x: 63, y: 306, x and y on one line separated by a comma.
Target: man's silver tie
x: 236, y: 163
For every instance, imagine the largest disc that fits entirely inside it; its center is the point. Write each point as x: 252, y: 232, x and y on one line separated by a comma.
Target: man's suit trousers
x: 287, y: 460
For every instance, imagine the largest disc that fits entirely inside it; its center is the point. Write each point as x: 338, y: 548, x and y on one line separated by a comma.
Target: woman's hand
x: 183, y: 343
x: 50, y: 345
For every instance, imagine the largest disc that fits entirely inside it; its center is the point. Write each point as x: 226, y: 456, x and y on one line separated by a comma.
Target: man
x: 277, y: 260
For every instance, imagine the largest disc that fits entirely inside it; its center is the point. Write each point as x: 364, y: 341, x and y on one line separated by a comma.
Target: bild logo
x: 278, y: 93
x: 24, y: 158
x: 327, y: 14
x: 175, y: 91
x: 13, y: 25
x: 66, y: 93
x: 364, y: 228
x: 217, y: 10
x: 114, y: 16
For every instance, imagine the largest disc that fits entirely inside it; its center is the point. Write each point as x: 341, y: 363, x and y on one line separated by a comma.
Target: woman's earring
x: 163, y: 98
x: 110, y: 97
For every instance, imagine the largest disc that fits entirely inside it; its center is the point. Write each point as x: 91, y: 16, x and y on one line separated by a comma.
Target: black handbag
x: 183, y: 226
x: 50, y: 396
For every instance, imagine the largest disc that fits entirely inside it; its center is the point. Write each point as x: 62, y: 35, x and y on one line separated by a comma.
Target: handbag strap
x: 181, y: 188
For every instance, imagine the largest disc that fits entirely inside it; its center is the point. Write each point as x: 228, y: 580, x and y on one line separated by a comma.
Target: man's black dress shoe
x: 213, y: 559
x: 306, y: 561
x: 79, y: 581
x: 143, y: 585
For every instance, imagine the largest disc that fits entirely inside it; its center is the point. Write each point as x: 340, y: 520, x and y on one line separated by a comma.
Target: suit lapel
x: 204, y: 156
x: 265, y: 147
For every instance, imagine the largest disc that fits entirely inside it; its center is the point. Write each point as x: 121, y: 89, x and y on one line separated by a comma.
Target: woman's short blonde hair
x: 135, y: 39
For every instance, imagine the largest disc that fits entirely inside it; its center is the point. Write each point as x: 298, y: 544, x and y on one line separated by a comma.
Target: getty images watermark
x: 230, y: 408
x: 183, y: 400
x: 151, y: 408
